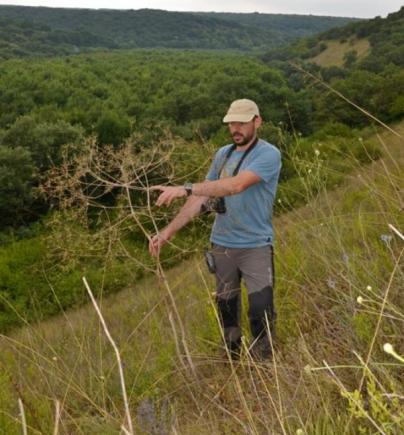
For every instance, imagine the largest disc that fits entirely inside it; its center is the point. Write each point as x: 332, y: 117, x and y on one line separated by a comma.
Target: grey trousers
x: 256, y: 267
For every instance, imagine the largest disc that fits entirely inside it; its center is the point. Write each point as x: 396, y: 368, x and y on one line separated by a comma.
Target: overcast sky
x: 345, y: 8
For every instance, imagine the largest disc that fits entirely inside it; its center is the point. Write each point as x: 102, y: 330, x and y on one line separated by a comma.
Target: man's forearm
x: 223, y: 187
x: 189, y: 210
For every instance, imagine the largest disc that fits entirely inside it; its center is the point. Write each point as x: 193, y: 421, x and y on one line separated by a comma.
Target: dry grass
x: 334, y: 54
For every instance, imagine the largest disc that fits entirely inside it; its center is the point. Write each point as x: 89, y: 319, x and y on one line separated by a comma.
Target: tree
x: 112, y: 128
x: 16, y: 177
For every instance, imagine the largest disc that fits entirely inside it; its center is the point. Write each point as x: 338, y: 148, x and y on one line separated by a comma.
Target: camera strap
x: 230, y: 152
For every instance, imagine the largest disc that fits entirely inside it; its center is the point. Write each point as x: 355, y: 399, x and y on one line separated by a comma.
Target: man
x: 243, y: 179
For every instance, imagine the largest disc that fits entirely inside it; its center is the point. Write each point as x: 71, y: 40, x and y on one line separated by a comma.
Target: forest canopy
x: 39, y: 31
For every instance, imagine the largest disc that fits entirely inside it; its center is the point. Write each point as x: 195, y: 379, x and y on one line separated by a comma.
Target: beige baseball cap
x: 241, y: 111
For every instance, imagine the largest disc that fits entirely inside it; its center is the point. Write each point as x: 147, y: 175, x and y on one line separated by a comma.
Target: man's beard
x: 245, y: 140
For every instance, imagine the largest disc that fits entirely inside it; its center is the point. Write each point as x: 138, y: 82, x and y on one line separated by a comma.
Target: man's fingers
x: 164, y: 199
x: 154, y: 250
x: 155, y: 244
x: 168, y: 194
x: 158, y: 187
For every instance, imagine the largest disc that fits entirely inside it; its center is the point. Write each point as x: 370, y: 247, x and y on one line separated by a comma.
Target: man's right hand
x: 157, y: 241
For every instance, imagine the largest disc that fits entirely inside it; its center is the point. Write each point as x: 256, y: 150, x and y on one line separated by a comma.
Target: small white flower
x: 317, y: 152
x: 388, y: 348
x: 369, y: 288
x: 55, y: 358
x: 309, y: 171
x: 359, y: 299
x: 279, y: 200
x: 300, y: 432
x: 331, y: 283
x: 386, y: 238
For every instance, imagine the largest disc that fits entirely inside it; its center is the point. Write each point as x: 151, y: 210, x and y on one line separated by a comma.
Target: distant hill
x: 364, y: 61
x: 385, y: 37
x: 19, y: 38
x: 335, y: 52
x: 46, y: 31
x: 284, y: 27
x: 379, y: 41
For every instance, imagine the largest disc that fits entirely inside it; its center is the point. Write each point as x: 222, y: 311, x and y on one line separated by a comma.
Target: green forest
x: 29, y: 31
x: 95, y: 106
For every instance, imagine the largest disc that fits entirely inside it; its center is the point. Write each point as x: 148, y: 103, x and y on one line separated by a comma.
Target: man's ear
x: 257, y: 121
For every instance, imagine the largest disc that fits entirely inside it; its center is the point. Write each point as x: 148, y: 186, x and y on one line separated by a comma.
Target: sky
x: 343, y: 8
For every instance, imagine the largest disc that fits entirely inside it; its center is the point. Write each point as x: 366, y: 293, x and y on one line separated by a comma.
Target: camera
x: 216, y: 205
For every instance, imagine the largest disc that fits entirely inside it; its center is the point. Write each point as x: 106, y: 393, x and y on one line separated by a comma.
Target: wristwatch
x: 188, y: 188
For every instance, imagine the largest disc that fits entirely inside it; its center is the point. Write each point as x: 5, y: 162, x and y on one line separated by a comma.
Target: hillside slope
x: 285, y: 27
x: 339, y: 296
x: 21, y: 38
x: 381, y: 39
x: 77, y: 29
x: 336, y: 52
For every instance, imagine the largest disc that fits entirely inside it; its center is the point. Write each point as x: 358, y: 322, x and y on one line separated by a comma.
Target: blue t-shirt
x: 247, y: 222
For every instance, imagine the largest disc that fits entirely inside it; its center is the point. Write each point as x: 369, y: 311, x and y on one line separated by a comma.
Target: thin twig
x: 396, y: 231
x: 23, y: 419
x: 322, y: 82
x: 57, y: 417
x: 118, y: 356
x: 379, y: 321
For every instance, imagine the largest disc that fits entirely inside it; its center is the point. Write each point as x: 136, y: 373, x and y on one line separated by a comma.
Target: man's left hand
x: 169, y: 193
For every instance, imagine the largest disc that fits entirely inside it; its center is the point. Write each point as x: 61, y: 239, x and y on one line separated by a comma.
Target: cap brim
x: 238, y: 118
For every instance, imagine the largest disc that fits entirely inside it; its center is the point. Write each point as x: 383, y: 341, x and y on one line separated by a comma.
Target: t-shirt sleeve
x: 213, y: 173
x: 266, y: 164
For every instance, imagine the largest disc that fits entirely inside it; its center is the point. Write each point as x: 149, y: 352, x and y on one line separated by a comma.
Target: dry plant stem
x: 177, y: 315
x: 275, y: 408
x: 246, y: 429
x: 118, y: 356
x: 161, y: 273
x: 387, y: 151
x: 23, y: 420
x: 69, y: 383
x: 396, y: 231
x: 357, y: 402
x: 57, y: 417
x: 276, y: 374
x: 379, y: 320
x: 318, y: 80
x: 395, y: 188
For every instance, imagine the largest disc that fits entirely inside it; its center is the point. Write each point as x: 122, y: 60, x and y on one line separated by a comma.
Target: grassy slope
x: 334, y: 54
x: 328, y: 252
